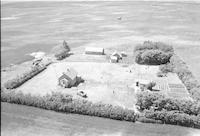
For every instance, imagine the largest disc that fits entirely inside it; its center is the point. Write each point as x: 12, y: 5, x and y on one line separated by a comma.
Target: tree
x: 66, y: 46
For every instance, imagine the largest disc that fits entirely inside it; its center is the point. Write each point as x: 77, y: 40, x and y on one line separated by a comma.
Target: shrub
x: 166, y: 68
x: 195, y: 93
x: 145, y: 99
x: 168, y: 110
x: 153, y: 57
x: 174, y: 117
x: 67, y: 104
x: 149, y: 100
x: 153, y: 53
x: 61, y: 54
x: 19, y: 80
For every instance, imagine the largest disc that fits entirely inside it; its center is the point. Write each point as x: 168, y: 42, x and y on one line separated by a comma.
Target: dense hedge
x: 67, y: 104
x: 153, y: 53
x: 152, y: 57
x: 19, y: 80
x: 174, y: 117
x: 179, y: 67
x: 148, y: 100
x: 157, y: 106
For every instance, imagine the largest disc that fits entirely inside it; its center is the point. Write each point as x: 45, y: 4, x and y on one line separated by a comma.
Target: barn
x: 94, y: 50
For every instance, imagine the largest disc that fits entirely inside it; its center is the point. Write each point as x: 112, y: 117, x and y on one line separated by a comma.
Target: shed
x: 68, y: 78
x: 118, y: 55
x: 94, y: 50
x: 113, y: 59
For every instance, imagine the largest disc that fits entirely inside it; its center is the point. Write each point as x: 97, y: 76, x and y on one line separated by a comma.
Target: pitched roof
x: 71, y: 73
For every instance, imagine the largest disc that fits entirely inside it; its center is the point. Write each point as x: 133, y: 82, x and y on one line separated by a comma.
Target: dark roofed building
x: 68, y: 78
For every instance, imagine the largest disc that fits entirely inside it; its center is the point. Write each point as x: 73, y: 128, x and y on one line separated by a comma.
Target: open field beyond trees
x: 39, y: 26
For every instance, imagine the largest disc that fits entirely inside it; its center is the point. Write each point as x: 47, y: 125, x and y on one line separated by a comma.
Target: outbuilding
x: 118, y: 55
x: 94, y: 50
x: 113, y: 59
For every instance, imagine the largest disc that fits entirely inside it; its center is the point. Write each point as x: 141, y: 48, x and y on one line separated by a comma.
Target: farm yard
x: 103, y: 82
x: 127, y: 76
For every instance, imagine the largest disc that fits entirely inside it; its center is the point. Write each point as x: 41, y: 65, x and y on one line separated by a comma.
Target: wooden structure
x: 94, y: 50
x: 113, y: 59
x: 118, y: 55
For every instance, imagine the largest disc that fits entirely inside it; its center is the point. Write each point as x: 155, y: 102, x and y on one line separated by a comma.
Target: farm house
x: 68, y: 78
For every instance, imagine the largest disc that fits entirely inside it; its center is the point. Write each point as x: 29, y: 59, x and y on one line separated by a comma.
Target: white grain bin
x: 94, y: 50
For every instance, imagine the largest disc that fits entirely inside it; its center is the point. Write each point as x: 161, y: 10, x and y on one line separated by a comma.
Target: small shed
x: 113, y: 59
x: 118, y: 55
x: 94, y: 50
x: 68, y: 78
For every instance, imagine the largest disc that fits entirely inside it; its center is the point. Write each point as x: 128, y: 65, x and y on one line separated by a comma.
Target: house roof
x: 113, y: 58
x: 93, y: 50
x: 71, y: 73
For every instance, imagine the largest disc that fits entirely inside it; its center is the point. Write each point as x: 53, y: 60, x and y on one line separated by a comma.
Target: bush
x: 152, y: 57
x: 195, y: 93
x: 19, y: 80
x: 169, y: 110
x: 149, y: 45
x: 67, y: 104
x: 149, y: 100
x: 174, y: 117
x: 146, y: 99
x: 166, y: 68
x: 62, y: 54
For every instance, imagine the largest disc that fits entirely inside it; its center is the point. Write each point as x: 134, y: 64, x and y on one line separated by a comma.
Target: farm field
x: 39, y: 26
x: 24, y: 120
